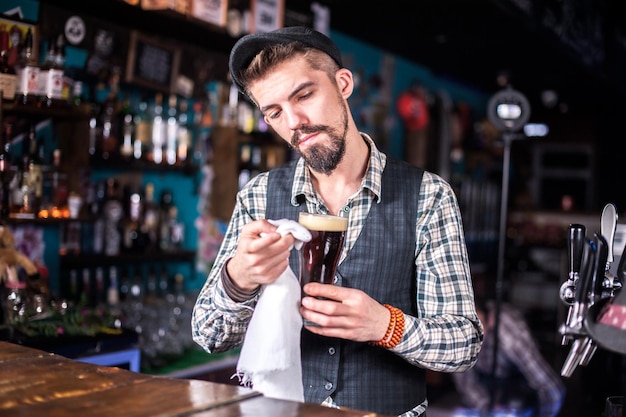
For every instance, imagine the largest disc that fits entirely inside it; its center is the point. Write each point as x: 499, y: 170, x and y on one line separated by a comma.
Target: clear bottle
x: 51, y: 78
x: 158, y: 131
x: 8, y: 76
x: 171, y: 147
x: 133, y: 237
x: 184, y: 133
x: 27, y: 70
x: 113, y: 298
x: 128, y: 131
x: 176, y: 230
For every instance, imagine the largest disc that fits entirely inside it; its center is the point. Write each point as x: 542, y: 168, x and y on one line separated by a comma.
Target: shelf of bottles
x: 120, y: 242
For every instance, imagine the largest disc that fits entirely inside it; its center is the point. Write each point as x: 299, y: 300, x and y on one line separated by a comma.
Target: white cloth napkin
x: 269, y: 360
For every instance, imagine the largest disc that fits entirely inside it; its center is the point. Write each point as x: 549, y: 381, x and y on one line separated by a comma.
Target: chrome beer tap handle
x: 589, y: 291
x: 575, y: 245
x: 608, y: 225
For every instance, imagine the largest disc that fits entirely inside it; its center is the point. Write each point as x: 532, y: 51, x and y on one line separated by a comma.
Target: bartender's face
x: 305, y: 108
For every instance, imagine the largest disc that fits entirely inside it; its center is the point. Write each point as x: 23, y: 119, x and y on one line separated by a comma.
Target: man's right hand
x: 262, y: 255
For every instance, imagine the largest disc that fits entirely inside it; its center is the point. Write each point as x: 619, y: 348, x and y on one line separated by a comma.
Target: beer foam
x: 323, y: 222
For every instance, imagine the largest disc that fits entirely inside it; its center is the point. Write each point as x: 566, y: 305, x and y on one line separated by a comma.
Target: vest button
x: 335, y: 279
x: 331, y: 351
x: 328, y: 386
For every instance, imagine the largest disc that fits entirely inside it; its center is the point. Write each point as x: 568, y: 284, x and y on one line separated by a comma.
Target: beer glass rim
x: 323, y: 222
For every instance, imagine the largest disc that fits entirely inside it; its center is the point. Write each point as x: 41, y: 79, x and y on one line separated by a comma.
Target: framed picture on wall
x: 152, y: 62
x: 18, y: 31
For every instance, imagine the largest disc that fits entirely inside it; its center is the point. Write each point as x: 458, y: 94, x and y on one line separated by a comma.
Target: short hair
x: 274, y: 55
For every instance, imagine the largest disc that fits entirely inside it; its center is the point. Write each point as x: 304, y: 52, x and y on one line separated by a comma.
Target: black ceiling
x: 575, y: 47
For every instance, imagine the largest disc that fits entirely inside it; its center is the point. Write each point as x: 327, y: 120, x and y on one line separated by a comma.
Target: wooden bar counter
x: 36, y: 383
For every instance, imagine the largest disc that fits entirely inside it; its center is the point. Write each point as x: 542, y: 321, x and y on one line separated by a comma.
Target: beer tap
x: 607, y: 229
x: 575, y: 245
x: 596, y: 291
x: 588, y: 291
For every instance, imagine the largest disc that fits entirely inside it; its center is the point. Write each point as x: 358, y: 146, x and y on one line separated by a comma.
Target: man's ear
x: 345, y: 82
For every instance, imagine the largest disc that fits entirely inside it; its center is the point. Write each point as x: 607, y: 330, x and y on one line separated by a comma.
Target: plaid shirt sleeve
x: 446, y: 335
x: 219, y: 323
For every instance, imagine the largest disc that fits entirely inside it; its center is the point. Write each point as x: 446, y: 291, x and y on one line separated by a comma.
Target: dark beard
x: 321, y: 158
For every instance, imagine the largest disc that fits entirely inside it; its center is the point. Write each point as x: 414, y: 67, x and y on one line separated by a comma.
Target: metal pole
x: 506, y: 162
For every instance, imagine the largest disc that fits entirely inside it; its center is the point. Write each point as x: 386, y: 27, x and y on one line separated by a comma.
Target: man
x: 403, y: 300
x: 524, y: 383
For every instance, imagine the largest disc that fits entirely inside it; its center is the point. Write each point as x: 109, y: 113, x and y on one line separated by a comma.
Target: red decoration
x: 413, y: 110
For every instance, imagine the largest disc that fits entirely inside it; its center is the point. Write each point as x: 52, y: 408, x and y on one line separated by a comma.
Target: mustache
x: 306, y: 130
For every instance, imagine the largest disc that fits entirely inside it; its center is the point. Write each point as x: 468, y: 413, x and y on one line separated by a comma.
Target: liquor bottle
x: 171, y: 148
x: 21, y: 193
x: 184, y: 133
x: 164, y: 283
x: 70, y: 238
x: 150, y: 222
x: 176, y: 230
x: 151, y: 294
x: 245, y: 165
x: 97, y: 213
x: 113, y: 297
x: 72, y: 286
x: 51, y: 78
x: 165, y: 203
x: 56, y: 183
x: 35, y: 169
x: 128, y: 130
x: 108, y: 119
x: 77, y: 93
x: 86, y: 292
x: 27, y: 70
x: 143, y: 131
x: 59, y: 61
x: 5, y: 168
x: 158, y: 131
x: 100, y: 292
x: 133, y: 237
x: 8, y: 76
x: 124, y: 284
x: 113, y: 212
x: 113, y: 292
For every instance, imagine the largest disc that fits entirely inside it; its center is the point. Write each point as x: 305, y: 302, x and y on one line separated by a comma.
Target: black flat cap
x: 249, y: 46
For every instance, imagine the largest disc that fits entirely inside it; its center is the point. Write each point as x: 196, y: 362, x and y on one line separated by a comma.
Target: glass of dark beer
x: 319, y: 256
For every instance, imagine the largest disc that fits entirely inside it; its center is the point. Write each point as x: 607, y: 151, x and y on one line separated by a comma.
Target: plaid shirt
x: 445, y: 336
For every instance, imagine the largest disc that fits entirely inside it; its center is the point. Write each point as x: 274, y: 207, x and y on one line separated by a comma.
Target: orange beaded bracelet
x: 395, y: 330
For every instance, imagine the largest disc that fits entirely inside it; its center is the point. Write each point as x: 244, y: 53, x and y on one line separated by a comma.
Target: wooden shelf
x: 82, y: 112
x: 166, y: 23
x: 89, y: 260
x: 140, y: 165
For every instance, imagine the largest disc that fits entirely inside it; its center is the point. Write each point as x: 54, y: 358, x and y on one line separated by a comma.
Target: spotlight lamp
x: 508, y: 110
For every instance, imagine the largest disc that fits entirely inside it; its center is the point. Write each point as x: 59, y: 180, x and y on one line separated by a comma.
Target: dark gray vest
x: 381, y: 263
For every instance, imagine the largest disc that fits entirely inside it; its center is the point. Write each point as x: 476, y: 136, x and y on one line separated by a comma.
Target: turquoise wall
x: 396, y: 74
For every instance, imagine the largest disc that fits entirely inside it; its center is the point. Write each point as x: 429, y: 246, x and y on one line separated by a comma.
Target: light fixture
x: 536, y: 129
x: 508, y: 110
